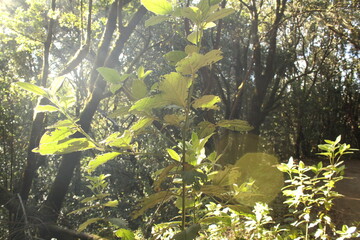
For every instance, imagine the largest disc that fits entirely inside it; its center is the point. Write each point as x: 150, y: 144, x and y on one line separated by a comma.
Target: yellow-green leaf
x: 174, y: 88
x: 111, y: 75
x: 141, y: 124
x: 207, y: 101
x: 66, y: 146
x: 46, y: 108
x: 32, y: 88
x: 174, y: 119
x: 125, y: 234
x: 101, y: 159
x: 111, y: 203
x: 173, y: 154
x: 138, y: 89
x: 148, y: 103
x: 195, y: 37
x: 219, y: 14
x: 159, y: 7
x: 151, y: 201
x: 174, y: 56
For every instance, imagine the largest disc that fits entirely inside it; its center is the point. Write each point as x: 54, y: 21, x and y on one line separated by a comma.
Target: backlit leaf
x: 141, y: 124
x: 195, y: 61
x: 159, y: 7
x: 111, y: 75
x: 119, y: 140
x: 174, y: 88
x: 174, y: 119
x: 56, y: 84
x: 125, y: 234
x: 189, y: 233
x: 100, y: 160
x: 32, y: 88
x: 173, y: 154
x: 46, y: 108
x: 113, y: 203
x: 138, y: 89
x: 195, y: 37
x: 66, y: 146
x: 207, y: 101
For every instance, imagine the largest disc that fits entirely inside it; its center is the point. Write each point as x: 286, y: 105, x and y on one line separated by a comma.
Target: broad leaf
x: 87, y: 223
x: 174, y: 88
x: 66, y: 146
x: 192, y: 13
x: 125, y: 234
x: 195, y: 37
x: 148, y: 103
x: 111, y: 75
x: 32, y: 88
x: 138, y: 89
x: 113, y: 203
x: 174, y: 56
x: 56, y: 84
x: 162, y: 176
x: 219, y: 14
x: 100, y: 160
x: 46, y: 108
x: 235, y: 125
x: 195, y: 61
x: 174, y: 119
x: 207, y: 101
x: 159, y: 7
x: 154, y: 20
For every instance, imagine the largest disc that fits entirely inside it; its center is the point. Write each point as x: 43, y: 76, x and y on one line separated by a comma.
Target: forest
x: 170, y: 119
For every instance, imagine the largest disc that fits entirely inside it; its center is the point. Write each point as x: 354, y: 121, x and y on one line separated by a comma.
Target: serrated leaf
x: 189, y: 233
x: 100, y: 160
x: 151, y: 201
x: 174, y: 119
x: 32, y: 88
x: 207, y: 101
x: 148, y: 103
x: 235, y: 125
x: 125, y: 234
x: 111, y: 75
x: 65, y: 146
x: 46, y: 108
x: 162, y: 176
x: 195, y: 61
x: 138, y: 89
x: 174, y: 56
x: 87, y: 223
x: 154, y: 20
x: 159, y: 7
x: 113, y: 203
x: 175, y: 81
x: 173, y: 154
x: 219, y: 14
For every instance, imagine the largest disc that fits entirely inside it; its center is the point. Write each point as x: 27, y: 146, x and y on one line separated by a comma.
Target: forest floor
x: 347, y: 208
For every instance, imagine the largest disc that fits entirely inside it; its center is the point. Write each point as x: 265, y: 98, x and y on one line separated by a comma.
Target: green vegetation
x: 169, y: 119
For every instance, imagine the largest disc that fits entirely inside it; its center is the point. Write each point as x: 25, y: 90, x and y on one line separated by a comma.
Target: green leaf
x: 174, y: 119
x: 138, y: 89
x: 63, y: 124
x: 111, y: 75
x: 163, y: 175
x: 195, y: 61
x: 159, y: 7
x: 120, y: 141
x: 121, y: 111
x: 141, y: 124
x: 154, y: 20
x: 174, y: 56
x: 219, y: 14
x: 100, y: 160
x: 173, y: 154
x: 46, y: 108
x: 87, y: 223
x: 125, y: 234
x: 235, y: 125
x: 207, y: 101
x: 174, y: 88
x: 189, y: 233
x: 32, y: 88
x: 63, y: 147
x: 189, y: 49
x: 148, y: 103
x: 192, y: 13
x: 113, y: 203
x: 195, y: 37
